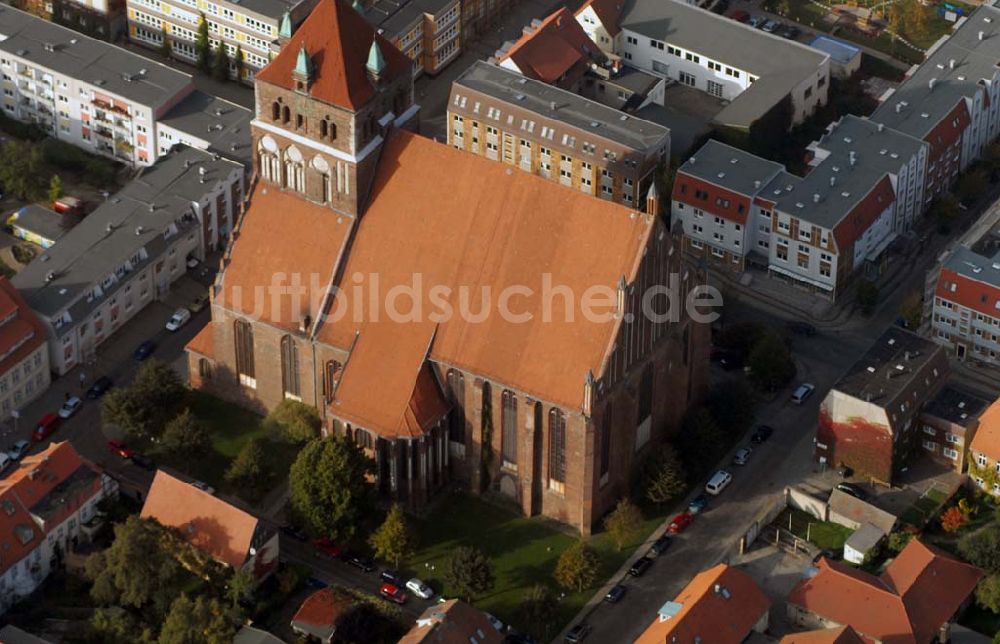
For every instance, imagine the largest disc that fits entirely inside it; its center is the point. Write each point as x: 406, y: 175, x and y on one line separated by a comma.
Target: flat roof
x: 887, y: 366
x: 956, y: 66
x: 135, y: 217
x: 598, y: 120
x: 273, y: 9
x: 731, y: 168
x: 108, y: 68
x: 839, y: 51
x: 42, y: 221
x: 968, y: 263
x: 955, y: 406
x: 224, y: 126
x: 392, y: 17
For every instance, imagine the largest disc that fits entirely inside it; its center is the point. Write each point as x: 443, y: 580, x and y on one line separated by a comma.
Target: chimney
x: 816, y: 197
x: 982, y: 35
x: 852, y: 158
x: 951, y: 64
x: 931, y: 82
x: 653, y: 200
x: 833, y: 181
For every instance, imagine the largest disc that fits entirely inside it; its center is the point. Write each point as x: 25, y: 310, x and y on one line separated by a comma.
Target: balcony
x: 104, y: 132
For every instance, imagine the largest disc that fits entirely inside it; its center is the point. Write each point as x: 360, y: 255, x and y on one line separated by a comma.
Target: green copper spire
x: 303, y: 66
x: 285, y: 29
x: 376, y: 61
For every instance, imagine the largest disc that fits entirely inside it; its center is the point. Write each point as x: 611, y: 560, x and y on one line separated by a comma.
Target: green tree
x: 203, y: 46
x: 241, y: 586
x: 21, y: 170
x: 293, y: 421
x: 867, y: 296
x: 972, y: 185
x: 577, y: 567
x: 912, y: 312
x: 115, y: 625
x: 624, y: 523
x: 240, y: 62
x: 733, y: 403
x: 249, y: 471
x: 220, y: 64
x: 144, y: 408
x: 945, y: 209
x: 393, y: 541
x: 982, y: 548
x: 538, y: 611
x: 122, y: 408
x: 741, y: 336
x: 770, y: 362
x: 664, y: 478
x: 185, y: 435
x: 327, y: 487
x: 469, y: 572
x: 202, y: 621
x: 136, y: 570
x: 898, y: 541
x: 988, y: 593
x: 55, y: 188
x: 700, y: 440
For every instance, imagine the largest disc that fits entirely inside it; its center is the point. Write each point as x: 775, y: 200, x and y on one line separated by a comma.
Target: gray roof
x: 11, y: 634
x: 888, y: 365
x: 731, y: 168
x: 840, y: 51
x: 956, y: 68
x: 778, y: 63
x: 224, y: 125
x: 861, y: 512
x: 634, y: 80
x: 273, y: 9
x: 44, y: 222
x: 877, y: 151
x: 864, y: 538
x: 599, y: 121
x: 392, y: 17
x: 974, y: 266
x: 114, y: 232
x: 251, y: 635
x: 111, y: 69
x: 955, y: 406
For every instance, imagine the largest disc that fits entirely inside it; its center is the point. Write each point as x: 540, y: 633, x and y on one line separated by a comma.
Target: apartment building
x: 129, y: 251
x: 556, y: 134
x: 966, y: 305
x: 869, y: 420
x: 102, y: 19
x: 209, y: 123
x: 253, y: 27
x: 751, y: 70
x: 984, y: 452
x: 24, y: 353
x: 49, y: 505
x: 428, y: 32
x: 949, y: 423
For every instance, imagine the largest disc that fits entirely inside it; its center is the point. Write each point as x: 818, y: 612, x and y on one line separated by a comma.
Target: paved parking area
x: 776, y: 572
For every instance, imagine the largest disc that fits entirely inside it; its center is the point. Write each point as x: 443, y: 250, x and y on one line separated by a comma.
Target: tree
x: 203, y: 46
x: 982, y: 548
x: 327, y: 487
x: 770, y: 362
x: 249, y: 471
x: 55, y: 188
x: 136, y: 570
x: 393, y: 541
x: 184, y: 435
x: 700, y: 440
x: 988, y: 593
x: 624, y: 523
x: 577, y: 567
x: 899, y: 540
x: 240, y: 62
x: 945, y: 209
x: 166, y: 48
x: 953, y: 519
x: 741, y: 336
x: 916, y: 18
x: 896, y: 20
x: 21, y: 170
x: 202, y: 621
x: 293, y: 421
x: 122, y: 408
x: 972, y: 185
x: 469, y: 572
x: 538, y: 611
x: 912, y: 312
x: 144, y: 408
x: 867, y: 296
x: 220, y: 64
x: 664, y: 475
x: 115, y: 625
x: 241, y: 586
x: 732, y: 403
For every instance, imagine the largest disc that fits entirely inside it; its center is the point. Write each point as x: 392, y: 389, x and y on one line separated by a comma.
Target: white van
x: 718, y: 482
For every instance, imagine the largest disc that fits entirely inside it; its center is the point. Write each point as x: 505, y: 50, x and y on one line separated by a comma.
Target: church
x: 465, y: 322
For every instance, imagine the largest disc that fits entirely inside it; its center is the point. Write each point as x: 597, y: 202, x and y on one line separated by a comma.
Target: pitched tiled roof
x: 319, y: 613
x: 23, y: 333
x: 839, y: 635
x: 918, y: 592
x: 700, y: 613
x: 453, y: 622
x: 204, y: 343
x: 987, y: 438
x: 208, y: 523
x: 609, y: 12
x: 860, y: 511
x: 557, y: 47
x: 338, y: 40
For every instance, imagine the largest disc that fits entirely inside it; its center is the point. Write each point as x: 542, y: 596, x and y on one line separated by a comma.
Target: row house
x: 751, y: 71
x: 428, y: 32
x: 965, y: 314
x: 129, y: 251
x: 502, y: 116
x: 545, y: 405
x: 870, y: 419
x: 949, y: 423
x: 24, y: 352
x: 48, y: 506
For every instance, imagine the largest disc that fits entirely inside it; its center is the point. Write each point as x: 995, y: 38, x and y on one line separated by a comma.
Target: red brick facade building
x: 432, y: 305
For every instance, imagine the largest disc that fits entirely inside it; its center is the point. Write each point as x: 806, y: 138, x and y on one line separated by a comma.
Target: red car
x: 48, y: 424
x: 393, y: 593
x: 680, y: 522
x: 118, y: 448
x: 327, y: 548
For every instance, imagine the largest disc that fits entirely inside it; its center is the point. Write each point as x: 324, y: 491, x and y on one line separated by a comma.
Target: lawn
x: 924, y: 508
x: 825, y: 535
x: 524, y: 552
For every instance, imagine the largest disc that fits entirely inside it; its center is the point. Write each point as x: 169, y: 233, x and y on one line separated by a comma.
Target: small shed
x: 845, y: 59
x: 863, y: 541
x: 852, y: 512
x: 39, y: 225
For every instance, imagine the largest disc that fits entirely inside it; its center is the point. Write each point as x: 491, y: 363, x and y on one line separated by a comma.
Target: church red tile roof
x: 338, y: 40
x: 203, y: 343
x: 556, y: 47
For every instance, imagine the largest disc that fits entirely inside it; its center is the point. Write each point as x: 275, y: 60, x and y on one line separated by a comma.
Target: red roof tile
x: 323, y: 608
x: 554, y: 48
x: 453, y: 622
x: 839, y: 635
x: 204, y: 343
x: 338, y: 40
x: 987, y: 438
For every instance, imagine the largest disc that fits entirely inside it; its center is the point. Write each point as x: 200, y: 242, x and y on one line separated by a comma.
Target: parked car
x: 801, y: 328
x: 142, y: 461
x: 615, y: 594
x: 761, y: 434
x: 5, y: 462
x: 640, y: 566
x: 680, y: 522
x: 578, y: 633
x: 294, y: 533
x: 18, y: 449
x: 48, y: 424
x: 845, y: 471
x: 728, y: 359
x: 659, y: 546
x: 198, y: 303
x: 718, y: 482
x: 742, y: 456
x: 193, y: 262
x: 802, y: 392
x: 698, y: 504
x: 739, y: 15
x: 70, y: 407
x: 178, y: 319
x: 756, y: 22
x: 119, y: 448
x: 144, y: 350
x: 327, y: 548
x: 419, y: 588
x: 367, y: 564
x: 393, y: 593
x: 314, y: 582
x: 770, y: 26
x: 99, y: 388
x: 391, y: 576
x: 204, y: 487
x: 790, y: 32
x: 854, y: 490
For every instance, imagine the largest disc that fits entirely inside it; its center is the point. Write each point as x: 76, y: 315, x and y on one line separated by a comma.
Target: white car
x: 179, y: 319
x: 18, y: 449
x: 419, y: 588
x: 193, y: 262
x: 70, y: 407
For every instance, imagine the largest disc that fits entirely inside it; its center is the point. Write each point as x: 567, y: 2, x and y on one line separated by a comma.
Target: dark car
x: 761, y: 434
x: 314, y: 582
x: 327, y: 547
x: 144, y: 350
x: 640, y: 566
x: 578, y: 633
x: 615, y: 594
x: 845, y: 471
x: 143, y: 462
x: 698, y: 504
x: 660, y: 546
x: 729, y: 359
x: 99, y: 388
x: 293, y: 532
x: 801, y: 328
x: 360, y: 562
x: 519, y: 638
x: 393, y: 577
x: 853, y: 490
x: 790, y: 32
